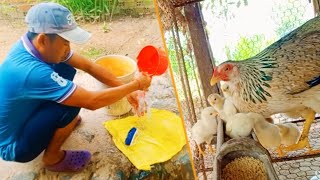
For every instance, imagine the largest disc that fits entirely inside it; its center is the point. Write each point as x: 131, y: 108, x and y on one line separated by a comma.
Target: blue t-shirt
x: 25, y: 83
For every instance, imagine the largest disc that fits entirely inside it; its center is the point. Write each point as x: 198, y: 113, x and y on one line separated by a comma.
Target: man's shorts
x: 40, y: 128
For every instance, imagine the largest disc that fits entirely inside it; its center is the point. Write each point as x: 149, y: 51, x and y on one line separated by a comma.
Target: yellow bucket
x: 124, y: 68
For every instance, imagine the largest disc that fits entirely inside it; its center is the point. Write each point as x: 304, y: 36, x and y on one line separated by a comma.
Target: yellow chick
x: 204, y: 129
x: 289, y: 133
x: 224, y: 106
x: 225, y: 89
x: 239, y: 125
x: 267, y: 133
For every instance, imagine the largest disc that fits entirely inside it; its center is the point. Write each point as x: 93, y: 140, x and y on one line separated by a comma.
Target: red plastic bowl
x: 152, y: 60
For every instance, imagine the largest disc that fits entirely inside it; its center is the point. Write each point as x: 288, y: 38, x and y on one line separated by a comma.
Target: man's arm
x: 103, y: 75
x: 97, y: 71
x: 96, y: 99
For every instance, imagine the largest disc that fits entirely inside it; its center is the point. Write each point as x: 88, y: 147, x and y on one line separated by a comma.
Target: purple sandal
x: 73, y: 161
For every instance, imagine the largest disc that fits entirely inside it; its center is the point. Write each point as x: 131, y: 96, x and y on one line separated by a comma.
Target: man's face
x: 56, y: 50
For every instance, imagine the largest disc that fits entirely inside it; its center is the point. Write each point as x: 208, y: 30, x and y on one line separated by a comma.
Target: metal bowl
x: 241, y: 147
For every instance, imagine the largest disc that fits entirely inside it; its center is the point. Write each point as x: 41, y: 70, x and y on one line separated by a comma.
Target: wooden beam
x: 180, y: 3
x: 201, y: 46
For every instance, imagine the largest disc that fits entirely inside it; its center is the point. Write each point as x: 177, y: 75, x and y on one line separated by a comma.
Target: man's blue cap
x: 53, y: 18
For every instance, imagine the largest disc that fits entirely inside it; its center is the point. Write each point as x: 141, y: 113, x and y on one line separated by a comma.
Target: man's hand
x: 133, y: 99
x: 144, y: 81
x: 137, y: 98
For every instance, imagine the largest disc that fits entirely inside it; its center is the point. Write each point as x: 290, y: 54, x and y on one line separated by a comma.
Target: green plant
x: 248, y: 47
x: 105, y: 27
x: 172, y: 54
x: 93, y: 53
x: 90, y: 10
x: 224, y: 8
x: 6, y: 9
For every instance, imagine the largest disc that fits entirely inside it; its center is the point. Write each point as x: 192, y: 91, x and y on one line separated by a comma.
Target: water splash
x: 145, y: 103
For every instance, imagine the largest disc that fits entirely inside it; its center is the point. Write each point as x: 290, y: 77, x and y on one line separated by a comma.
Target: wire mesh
x: 241, y: 30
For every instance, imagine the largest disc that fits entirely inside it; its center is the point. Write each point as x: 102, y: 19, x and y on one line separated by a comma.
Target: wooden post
x: 316, y: 7
x: 201, y: 46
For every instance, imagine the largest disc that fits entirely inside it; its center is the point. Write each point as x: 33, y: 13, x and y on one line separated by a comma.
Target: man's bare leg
x: 53, y: 154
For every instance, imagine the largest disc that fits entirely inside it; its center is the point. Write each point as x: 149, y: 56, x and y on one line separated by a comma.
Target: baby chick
x: 289, y: 133
x: 204, y: 129
x: 267, y: 133
x: 224, y: 106
x: 225, y: 89
x: 239, y: 125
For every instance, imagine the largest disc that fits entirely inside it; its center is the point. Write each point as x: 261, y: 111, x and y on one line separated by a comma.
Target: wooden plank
x: 201, y: 46
x: 220, y: 141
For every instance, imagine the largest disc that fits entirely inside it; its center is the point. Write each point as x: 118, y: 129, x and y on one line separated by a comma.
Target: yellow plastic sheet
x: 158, y: 138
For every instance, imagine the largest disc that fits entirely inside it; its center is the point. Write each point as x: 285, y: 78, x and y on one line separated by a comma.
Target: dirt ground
x: 125, y: 36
